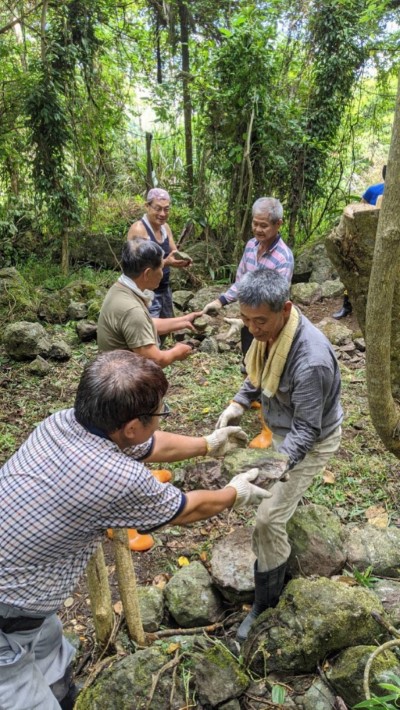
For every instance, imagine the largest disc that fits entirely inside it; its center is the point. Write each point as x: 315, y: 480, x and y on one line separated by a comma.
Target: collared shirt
x: 58, y: 494
x: 306, y: 408
x: 278, y: 257
x: 124, y: 322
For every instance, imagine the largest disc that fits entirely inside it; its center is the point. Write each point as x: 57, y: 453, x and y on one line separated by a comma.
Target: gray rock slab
x: 388, y: 591
x: 232, y: 566
x: 318, y: 697
x: 337, y: 333
x: 219, y: 677
x: 39, y: 366
x: 77, y: 310
x: 60, y: 350
x: 243, y: 459
x: 332, y: 289
x: 306, y: 293
x: 316, y: 537
x: 209, y: 345
x: 368, y: 546
x: 204, y: 296
x: 24, y: 340
x: 151, y: 603
x: 191, y: 597
x: 86, y: 330
x: 181, y: 298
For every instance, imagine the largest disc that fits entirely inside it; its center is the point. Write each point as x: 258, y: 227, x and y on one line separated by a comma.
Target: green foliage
x: 384, y: 702
x: 365, y: 578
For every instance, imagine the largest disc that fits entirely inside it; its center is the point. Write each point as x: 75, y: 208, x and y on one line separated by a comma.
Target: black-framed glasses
x: 164, y: 413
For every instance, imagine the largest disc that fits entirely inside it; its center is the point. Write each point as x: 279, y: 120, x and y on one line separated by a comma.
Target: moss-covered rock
x: 191, y: 598
x: 24, y: 341
x: 306, y: 292
x: 219, y: 676
x: 54, y: 305
x: 313, y: 619
x: 151, y: 603
x: 17, y: 300
x: 368, y: 546
x: 316, y: 537
x: 241, y: 459
x: 346, y: 673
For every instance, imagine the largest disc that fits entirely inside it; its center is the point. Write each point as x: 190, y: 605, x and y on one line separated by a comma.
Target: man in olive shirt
x: 125, y: 322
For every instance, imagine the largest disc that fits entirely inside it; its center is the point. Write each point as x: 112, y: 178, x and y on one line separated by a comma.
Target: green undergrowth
x: 361, y: 475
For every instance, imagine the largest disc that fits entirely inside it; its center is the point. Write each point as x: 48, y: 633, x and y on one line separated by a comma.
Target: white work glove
x: 213, y: 307
x: 230, y: 415
x: 236, y: 325
x: 247, y: 493
x: 221, y: 441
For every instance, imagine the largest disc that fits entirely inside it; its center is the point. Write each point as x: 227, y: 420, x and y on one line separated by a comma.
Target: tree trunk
x: 187, y: 101
x: 127, y: 585
x: 65, y: 252
x: 382, y: 319
x: 149, y: 162
x: 100, y: 597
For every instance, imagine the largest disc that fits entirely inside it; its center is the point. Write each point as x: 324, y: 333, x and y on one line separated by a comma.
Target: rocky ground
x: 362, y: 481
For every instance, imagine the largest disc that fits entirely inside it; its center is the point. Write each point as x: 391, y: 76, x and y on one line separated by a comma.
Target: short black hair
x: 116, y: 387
x: 138, y: 255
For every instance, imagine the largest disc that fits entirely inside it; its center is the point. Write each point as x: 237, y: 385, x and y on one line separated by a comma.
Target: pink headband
x: 157, y: 193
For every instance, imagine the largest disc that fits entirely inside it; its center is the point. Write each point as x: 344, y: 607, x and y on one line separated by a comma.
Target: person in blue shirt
x: 369, y: 197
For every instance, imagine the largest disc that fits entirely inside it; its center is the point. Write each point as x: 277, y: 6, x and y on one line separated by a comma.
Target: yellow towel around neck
x: 267, y: 373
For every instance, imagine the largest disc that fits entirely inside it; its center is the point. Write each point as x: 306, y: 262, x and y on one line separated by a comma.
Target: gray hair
x: 270, y: 206
x: 264, y: 287
x: 138, y: 255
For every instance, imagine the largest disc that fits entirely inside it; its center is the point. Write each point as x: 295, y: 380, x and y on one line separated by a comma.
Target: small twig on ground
x: 171, y: 664
x: 395, y: 632
x: 165, y: 633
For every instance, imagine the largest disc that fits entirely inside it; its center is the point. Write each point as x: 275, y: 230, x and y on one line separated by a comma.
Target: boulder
x: 191, y: 598
x: 346, y: 673
x: 17, y: 299
x: 313, y: 264
x: 318, y: 697
x: 337, y: 333
x: 313, y: 619
x: 181, y: 299
x: 86, y: 330
x: 306, y: 293
x: 151, y: 603
x: 209, y: 345
x: 77, y: 310
x: 219, y: 676
x: 204, y: 296
x: 39, y: 366
x: 368, y: 546
x: 317, y: 542
x: 388, y: 591
x: 60, y: 350
x: 332, y: 289
x: 232, y: 566
x: 24, y: 340
x: 54, y: 305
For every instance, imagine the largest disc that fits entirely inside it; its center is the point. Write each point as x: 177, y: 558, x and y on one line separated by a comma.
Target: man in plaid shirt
x: 80, y: 472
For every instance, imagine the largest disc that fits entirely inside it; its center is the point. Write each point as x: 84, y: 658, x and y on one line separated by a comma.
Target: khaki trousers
x: 270, y: 540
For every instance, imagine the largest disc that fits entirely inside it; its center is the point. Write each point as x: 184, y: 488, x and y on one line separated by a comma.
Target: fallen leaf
x: 203, y: 556
x: 381, y: 521
x: 344, y: 579
x: 203, y: 531
x: 374, y: 511
x: 173, y: 647
x: 183, y: 561
x: 329, y: 477
x: 69, y: 602
x: 160, y: 580
x: 205, y: 410
x: 118, y: 608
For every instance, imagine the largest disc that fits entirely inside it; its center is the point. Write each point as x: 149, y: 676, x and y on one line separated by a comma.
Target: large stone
x: 317, y: 542
x: 24, y: 340
x: 337, y: 333
x: 17, y: 299
x: 77, y: 310
x: 39, y: 366
x: 60, y: 350
x: 151, y: 603
x: 313, y: 264
x: 388, y: 591
x: 244, y: 459
x: 209, y: 345
x: 346, y: 673
x: 191, y: 598
x: 318, y: 697
x: 232, y: 566
x: 351, y: 248
x: 368, y: 546
x: 306, y: 293
x: 182, y: 298
x: 313, y: 619
x: 86, y: 330
x: 54, y: 305
x: 204, y: 296
x: 219, y: 677
x: 331, y: 289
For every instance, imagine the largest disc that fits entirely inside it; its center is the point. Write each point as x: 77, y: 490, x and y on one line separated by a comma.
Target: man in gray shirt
x: 293, y: 367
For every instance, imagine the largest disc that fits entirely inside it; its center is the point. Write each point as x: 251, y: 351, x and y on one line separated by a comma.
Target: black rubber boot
x: 268, y: 587
x: 345, y: 310
x: 68, y: 702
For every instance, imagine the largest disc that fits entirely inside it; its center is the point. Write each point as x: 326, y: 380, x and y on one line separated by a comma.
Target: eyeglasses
x: 165, y: 412
x: 159, y: 209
